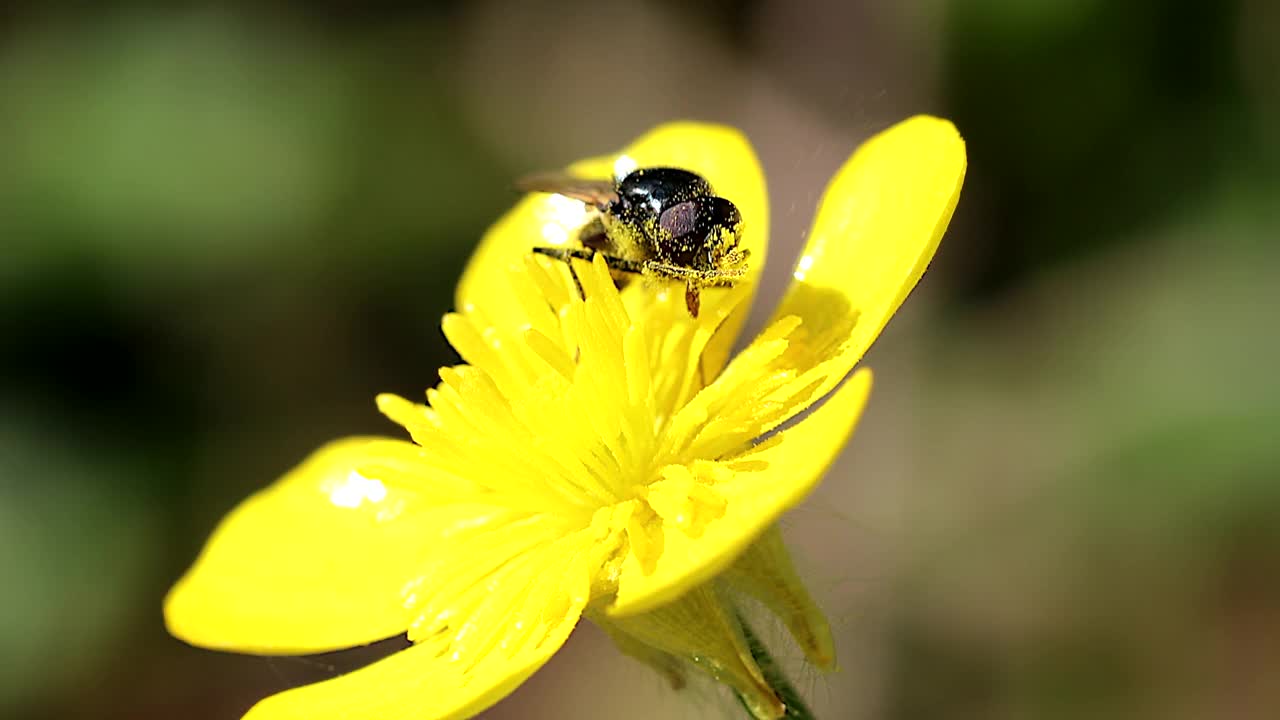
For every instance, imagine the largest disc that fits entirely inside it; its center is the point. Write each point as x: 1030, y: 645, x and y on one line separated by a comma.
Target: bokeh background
x: 225, y: 227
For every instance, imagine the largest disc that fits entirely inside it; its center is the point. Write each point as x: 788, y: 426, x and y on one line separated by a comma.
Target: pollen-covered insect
x: 662, y: 223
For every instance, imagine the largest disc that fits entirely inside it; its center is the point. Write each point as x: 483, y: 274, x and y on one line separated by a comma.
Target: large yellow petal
x: 769, y: 480
x: 720, y: 154
x: 877, y: 228
x: 318, y: 561
x: 534, y: 609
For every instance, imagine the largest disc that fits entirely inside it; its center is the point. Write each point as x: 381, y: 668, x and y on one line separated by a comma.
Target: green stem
x: 796, y: 709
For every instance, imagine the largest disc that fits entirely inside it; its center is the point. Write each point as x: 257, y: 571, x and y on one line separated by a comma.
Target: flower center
x: 596, y: 412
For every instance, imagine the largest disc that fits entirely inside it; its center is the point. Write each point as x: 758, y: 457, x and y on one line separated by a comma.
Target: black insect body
x: 664, y: 223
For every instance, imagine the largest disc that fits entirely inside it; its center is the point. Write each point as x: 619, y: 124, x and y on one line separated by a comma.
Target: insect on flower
x: 657, y: 222
x: 597, y: 455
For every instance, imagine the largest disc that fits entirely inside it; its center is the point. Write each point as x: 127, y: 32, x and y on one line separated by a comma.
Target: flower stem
x: 796, y: 709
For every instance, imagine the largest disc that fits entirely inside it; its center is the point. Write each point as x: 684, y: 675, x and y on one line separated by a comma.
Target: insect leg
x: 622, y: 264
x: 565, y: 255
x: 692, y: 299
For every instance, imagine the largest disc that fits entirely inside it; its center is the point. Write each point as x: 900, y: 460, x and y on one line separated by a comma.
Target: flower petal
x: 878, y: 225
x: 315, y: 562
x: 720, y: 154
x: 770, y: 479
x: 431, y: 682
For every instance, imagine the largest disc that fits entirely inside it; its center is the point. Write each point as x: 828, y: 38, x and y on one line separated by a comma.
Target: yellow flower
x: 598, y: 457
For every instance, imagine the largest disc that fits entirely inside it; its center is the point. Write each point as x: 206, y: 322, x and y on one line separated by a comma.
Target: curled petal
x: 765, y: 482
x: 877, y: 228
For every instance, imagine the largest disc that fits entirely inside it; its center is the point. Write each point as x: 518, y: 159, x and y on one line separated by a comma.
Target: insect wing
x: 597, y: 193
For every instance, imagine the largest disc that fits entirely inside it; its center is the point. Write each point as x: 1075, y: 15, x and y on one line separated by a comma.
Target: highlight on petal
x: 720, y: 154
x: 878, y: 225
x: 521, y: 621
x: 762, y: 484
x: 367, y: 539
x: 315, y: 562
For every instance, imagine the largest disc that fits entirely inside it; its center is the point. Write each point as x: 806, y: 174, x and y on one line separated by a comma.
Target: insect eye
x: 680, y: 219
x: 722, y: 213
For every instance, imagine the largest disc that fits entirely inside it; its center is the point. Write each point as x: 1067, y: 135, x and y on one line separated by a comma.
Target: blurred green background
x: 226, y: 227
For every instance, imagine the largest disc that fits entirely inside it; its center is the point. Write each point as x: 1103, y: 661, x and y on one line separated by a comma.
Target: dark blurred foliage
x: 225, y: 227
x: 1111, y: 116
